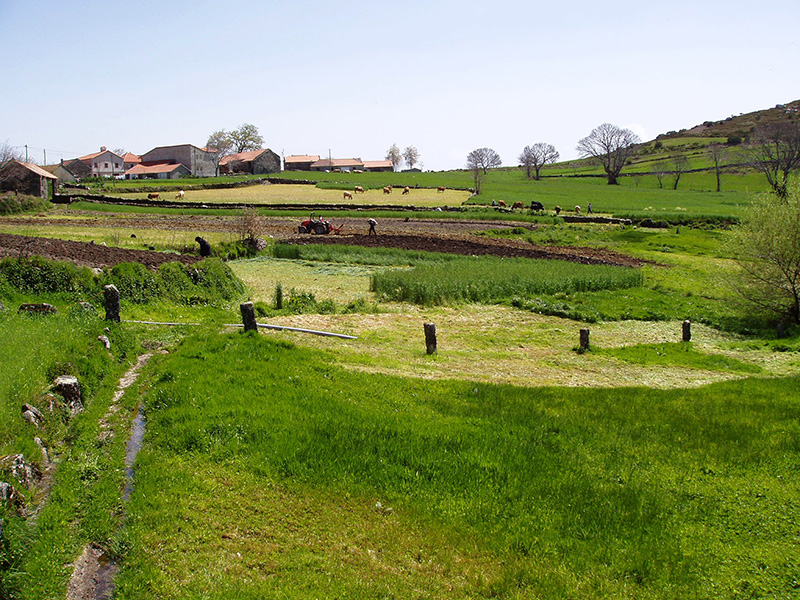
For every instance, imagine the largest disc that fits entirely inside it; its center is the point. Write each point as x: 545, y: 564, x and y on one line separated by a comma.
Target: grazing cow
x: 358, y: 189
x: 557, y: 209
x: 153, y: 196
x: 440, y: 189
x: 537, y: 206
x: 348, y: 196
x: 387, y: 189
x: 406, y: 190
x: 180, y: 195
x: 501, y: 203
x: 577, y: 209
x: 517, y: 205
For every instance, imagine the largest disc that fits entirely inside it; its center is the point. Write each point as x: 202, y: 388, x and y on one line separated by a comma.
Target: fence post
x: 584, y: 339
x: 248, y: 316
x: 687, y: 331
x: 111, y: 298
x: 430, y: 337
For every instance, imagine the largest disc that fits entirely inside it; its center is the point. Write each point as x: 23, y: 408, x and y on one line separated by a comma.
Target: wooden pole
x: 430, y: 337
x: 584, y: 339
x: 111, y: 297
x: 248, y: 316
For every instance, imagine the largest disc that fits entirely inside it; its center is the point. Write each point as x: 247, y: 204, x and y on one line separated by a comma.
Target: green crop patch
x: 677, y: 355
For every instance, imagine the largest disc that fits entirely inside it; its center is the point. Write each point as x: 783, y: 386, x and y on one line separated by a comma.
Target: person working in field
x: 372, y: 223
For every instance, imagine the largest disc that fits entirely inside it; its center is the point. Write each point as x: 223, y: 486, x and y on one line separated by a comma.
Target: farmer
x: 372, y: 223
x: 590, y: 208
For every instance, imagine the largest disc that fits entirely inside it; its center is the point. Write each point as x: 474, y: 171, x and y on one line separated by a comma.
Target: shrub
x: 37, y: 275
x: 13, y: 203
x: 134, y: 282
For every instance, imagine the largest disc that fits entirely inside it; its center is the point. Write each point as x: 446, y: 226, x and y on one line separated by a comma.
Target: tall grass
x: 331, y: 483
x: 490, y: 279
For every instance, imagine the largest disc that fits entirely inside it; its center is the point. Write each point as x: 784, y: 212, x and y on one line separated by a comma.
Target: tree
x: 393, y: 154
x: 718, y: 154
x: 775, y: 151
x: 766, y: 246
x: 479, y: 162
x: 411, y: 156
x: 679, y: 166
x: 536, y: 156
x: 221, y: 142
x: 9, y: 152
x: 246, y: 138
x: 660, y: 169
x: 611, y: 146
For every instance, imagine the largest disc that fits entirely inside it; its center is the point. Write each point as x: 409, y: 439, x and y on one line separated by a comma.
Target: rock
x: 40, y: 308
x: 26, y: 473
x: 106, y: 342
x: 30, y: 418
x: 32, y: 409
x: 7, y: 493
x: 86, y: 306
x: 40, y: 444
x: 70, y: 389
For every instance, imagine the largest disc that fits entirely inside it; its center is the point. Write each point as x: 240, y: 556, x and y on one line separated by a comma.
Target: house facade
x: 104, y: 163
x: 378, y: 165
x: 299, y: 162
x: 157, y: 171
x: 62, y: 172
x: 338, y: 164
x: 256, y: 162
x: 199, y: 161
x: 25, y: 178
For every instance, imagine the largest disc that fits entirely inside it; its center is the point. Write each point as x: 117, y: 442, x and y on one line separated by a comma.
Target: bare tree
x: 9, y: 152
x: 479, y: 162
x: 680, y: 164
x: 718, y: 154
x: 221, y: 142
x: 660, y: 169
x: 411, y: 156
x: 246, y: 138
x: 611, y: 146
x: 536, y: 156
x: 775, y: 151
x: 393, y: 154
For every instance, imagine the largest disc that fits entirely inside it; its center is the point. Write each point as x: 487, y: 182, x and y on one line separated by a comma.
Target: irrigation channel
x: 95, y: 570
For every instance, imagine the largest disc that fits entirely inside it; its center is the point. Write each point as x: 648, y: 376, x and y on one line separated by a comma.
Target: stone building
x: 25, y: 178
x: 199, y: 161
x: 256, y: 162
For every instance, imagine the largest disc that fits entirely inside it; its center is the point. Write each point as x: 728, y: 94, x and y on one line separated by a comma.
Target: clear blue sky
x: 354, y: 78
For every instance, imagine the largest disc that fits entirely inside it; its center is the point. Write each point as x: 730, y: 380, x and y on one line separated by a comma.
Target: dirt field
x: 430, y: 235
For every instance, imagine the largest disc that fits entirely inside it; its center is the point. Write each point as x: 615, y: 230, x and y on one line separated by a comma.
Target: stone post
x: 70, y: 389
x: 111, y: 297
x: 248, y: 316
x: 584, y: 339
x: 687, y: 331
x: 430, y: 337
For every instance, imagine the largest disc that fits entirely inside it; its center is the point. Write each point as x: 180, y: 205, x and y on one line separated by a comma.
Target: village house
x: 378, y: 165
x: 104, y: 163
x: 299, y: 162
x: 158, y: 171
x: 338, y: 164
x: 256, y: 162
x: 200, y: 162
x: 25, y: 178
x: 62, y: 172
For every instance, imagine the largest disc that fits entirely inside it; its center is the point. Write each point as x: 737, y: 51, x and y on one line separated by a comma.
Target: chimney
x: 103, y: 148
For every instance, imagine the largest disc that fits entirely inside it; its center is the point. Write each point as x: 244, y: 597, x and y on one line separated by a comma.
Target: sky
x: 351, y: 79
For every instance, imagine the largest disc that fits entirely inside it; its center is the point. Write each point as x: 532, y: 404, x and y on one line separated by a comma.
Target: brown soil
x: 441, y: 235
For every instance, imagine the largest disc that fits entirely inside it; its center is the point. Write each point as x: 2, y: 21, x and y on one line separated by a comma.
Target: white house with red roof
x: 104, y: 163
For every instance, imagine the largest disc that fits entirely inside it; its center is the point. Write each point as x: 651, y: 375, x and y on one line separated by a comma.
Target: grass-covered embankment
x: 285, y: 476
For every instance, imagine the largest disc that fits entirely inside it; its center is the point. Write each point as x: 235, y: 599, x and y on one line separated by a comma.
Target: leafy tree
x: 611, y: 146
x: 246, y: 138
x: 393, y: 154
x: 775, y: 151
x: 680, y: 164
x: 718, y: 154
x: 766, y: 245
x: 411, y: 156
x: 479, y: 162
x: 536, y: 156
x: 221, y: 142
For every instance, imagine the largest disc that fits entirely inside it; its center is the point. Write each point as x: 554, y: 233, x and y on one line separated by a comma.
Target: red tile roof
x: 378, y: 164
x: 38, y: 170
x: 130, y: 157
x: 152, y: 169
x: 243, y: 156
x: 337, y: 162
x: 302, y: 158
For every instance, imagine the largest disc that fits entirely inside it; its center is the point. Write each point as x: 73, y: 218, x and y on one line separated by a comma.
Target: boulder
x: 70, y: 389
x: 39, y: 308
x: 105, y: 341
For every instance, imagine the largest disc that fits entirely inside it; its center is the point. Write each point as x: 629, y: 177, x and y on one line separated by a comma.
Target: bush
x: 37, y: 275
x: 134, y: 281
x: 13, y: 203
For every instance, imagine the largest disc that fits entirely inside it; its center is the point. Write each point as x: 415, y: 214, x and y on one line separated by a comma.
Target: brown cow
x: 406, y: 190
x: 440, y: 189
x: 358, y: 189
x: 387, y: 189
x: 501, y: 203
x: 153, y: 196
x: 517, y: 205
x: 348, y: 196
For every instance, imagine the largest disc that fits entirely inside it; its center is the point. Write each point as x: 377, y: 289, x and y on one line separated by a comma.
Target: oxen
x: 501, y: 203
x: 537, y: 206
x: 517, y: 205
x: 406, y: 190
x: 440, y: 189
x: 387, y: 189
x: 153, y: 196
x: 180, y: 195
x: 348, y: 195
x: 358, y: 189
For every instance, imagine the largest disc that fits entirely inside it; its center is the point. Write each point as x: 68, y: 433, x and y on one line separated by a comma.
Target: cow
x: 387, y: 189
x: 440, y: 189
x: 501, y: 203
x: 406, y: 190
x: 180, y: 195
x: 537, y: 206
x: 348, y: 196
x: 517, y: 205
x: 153, y: 196
x: 557, y: 209
x: 358, y: 189
x: 577, y: 209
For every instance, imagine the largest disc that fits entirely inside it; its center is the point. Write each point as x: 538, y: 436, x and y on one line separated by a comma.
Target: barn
x: 25, y: 178
x: 255, y: 162
x: 300, y: 162
x: 200, y: 161
x: 157, y: 171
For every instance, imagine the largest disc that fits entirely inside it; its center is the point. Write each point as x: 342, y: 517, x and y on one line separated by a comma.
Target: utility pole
x: 26, y: 152
x: 45, y: 155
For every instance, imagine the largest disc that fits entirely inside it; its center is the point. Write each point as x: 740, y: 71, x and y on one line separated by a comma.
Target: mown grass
x: 284, y: 476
